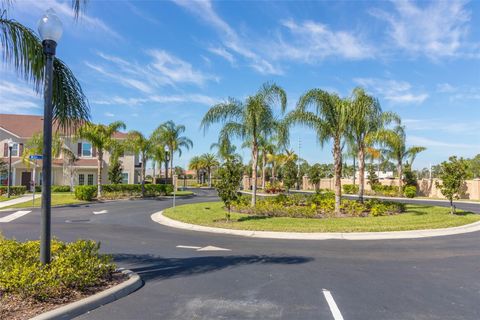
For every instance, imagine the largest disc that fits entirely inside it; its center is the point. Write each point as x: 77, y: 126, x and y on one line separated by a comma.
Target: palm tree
x: 225, y: 148
x: 142, y: 146
x: 170, y: 134
x: 197, y: 165
x: 266, y: 147
x: 367, y: 119
x: 22, y: 49
x: 330, y: 119
x: 34, y: 145
x: 208, y: 161
x: 157, y: 156
x: 101, y: 138
x: 249, y: 120
x: 394, y: 141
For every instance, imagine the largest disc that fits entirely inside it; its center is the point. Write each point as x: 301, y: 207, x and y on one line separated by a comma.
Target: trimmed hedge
x: 115, y: 191
x: 60, y: 188
x: 75, y: 266
x: 87, y: 193
x: 14, y: 190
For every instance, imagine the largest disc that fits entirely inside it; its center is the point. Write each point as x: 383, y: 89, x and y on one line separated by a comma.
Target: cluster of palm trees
x: 357, y: 120
x: 207, y: 162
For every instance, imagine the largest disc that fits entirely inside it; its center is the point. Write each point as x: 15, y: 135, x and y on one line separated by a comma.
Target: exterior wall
x: 426, y: 187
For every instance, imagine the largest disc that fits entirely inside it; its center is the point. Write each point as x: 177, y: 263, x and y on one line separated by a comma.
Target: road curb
x: 391, y: 235
x: 79, y: 307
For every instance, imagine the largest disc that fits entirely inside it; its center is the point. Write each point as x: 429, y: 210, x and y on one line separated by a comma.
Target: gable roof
x: 25, y: 126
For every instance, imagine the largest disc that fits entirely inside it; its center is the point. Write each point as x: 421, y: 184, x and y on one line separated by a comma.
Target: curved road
x: 430, y: 278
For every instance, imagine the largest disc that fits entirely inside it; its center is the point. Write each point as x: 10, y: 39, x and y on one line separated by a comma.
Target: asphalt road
x: 430, y: 278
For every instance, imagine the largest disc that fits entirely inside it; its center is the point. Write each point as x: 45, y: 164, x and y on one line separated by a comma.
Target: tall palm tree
x: 394, y: 141
x: 225, y: 148
x: 208, y: 161
x: 367, y: 119
x: 249, y: 121
x: 330, y: 119
x: 22, y: 49
x: 157, y: 156
x: 102, y: 139
x: 171, y: 135
x: 141, y: 145
x: 197, y: 165
x: 266, y: 148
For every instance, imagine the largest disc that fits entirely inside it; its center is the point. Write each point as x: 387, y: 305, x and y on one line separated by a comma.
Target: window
x: 15, y: 150
x: 86, y: 149
x: 90, y: 180
x: 81, y: 179
x: 124, y: 177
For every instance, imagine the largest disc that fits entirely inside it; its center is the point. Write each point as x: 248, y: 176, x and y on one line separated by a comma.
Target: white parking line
x: 100, y: 212
x: 188, y: 247
x: 337, y: 315
x: 13, y: 216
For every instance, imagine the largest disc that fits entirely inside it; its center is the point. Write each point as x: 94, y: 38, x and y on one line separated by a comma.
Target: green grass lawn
x: 182, y: 193
x: 416, y: 217
x: 4, y: 198
x: 58, y: 199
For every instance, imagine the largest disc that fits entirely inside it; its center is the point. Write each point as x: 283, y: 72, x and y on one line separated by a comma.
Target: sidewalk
x: 24, y: 198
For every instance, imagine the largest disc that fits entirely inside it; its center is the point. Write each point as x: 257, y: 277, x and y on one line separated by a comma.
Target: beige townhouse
x: 15, y: 130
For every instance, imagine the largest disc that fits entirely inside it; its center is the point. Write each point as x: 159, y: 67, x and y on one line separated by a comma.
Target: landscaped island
x: 301, y: 213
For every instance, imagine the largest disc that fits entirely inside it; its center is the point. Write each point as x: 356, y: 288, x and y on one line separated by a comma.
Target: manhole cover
x: 77, y: 221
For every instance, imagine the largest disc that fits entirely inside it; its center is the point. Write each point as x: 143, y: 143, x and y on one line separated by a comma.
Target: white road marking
x: 337, y: 315
x: 100, y: 212
x: 188, y: 247
x: 13, y: 216
x: 212, y: 248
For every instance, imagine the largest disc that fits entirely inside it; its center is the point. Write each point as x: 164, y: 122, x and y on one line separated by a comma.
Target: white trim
x: 13, y: 134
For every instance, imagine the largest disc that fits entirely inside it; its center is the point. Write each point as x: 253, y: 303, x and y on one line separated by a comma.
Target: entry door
x: 26, y: 178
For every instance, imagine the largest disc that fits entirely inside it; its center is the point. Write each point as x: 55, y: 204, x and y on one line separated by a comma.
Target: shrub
x: 75, y: 266
x: 389, y: 191
x: 273, y: 187
x: 384, y: 208
x: 87, y: 193
x: 14, y: 190
x: 410, y: 191
x: 114, y: 191
x: 350, y: 188
x: 60, y: 188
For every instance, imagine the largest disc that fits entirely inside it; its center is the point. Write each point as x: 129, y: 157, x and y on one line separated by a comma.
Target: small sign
x: 36, y: 157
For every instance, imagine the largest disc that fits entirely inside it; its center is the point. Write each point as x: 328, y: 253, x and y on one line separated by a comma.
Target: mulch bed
x: 15, y: 307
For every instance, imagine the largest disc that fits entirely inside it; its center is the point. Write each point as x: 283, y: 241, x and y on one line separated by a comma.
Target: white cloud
x: 18, y: 97
x: 438, y: 125
x: 109, y: 114
x: 312, y: 41
x: 435, y: 29
x: 222, y: 52
x: 230, y: 38
x: 426, y: 142
x: 462, y: 92
x: 392, y: 90
x: 162, y: 99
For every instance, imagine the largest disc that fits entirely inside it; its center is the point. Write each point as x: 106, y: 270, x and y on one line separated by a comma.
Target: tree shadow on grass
x: 423, y: 210
x: 248, y: 218
x: 151, y: 267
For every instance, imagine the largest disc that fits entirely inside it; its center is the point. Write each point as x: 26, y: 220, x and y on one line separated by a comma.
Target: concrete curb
x: 79, y: 307
x: 472, y: 227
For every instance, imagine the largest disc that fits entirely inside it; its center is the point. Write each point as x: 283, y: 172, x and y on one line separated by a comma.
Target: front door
x: 26, y: 178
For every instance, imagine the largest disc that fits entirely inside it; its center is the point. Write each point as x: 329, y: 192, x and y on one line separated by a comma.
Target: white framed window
x: 14, y: 150
x: 90, y: 179
x: 124, y: 177
x: 86, y: 149
x: 81, y: 179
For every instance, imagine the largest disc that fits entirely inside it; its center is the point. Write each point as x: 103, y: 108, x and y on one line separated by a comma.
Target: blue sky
x: 146, y: 62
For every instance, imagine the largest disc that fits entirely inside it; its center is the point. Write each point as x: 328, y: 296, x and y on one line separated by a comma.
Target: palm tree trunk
x: 209, y: 177
x: 361, y: 173
x: 99, y: 173
x: 254, y: 173
x: 264, y: 159
x: 400, y: 173
x: 153, y: 167
x: 337, y: 158
x: 354, y: 170
x: 273, y: 171
x: 143, y: 176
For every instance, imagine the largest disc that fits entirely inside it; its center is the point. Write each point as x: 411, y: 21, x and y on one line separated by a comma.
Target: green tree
x: 394, y: 141
x: 170, y: 134
x: 474, y: 167
x: 316, y: 173
x: 197, y: 165
x: 102, y: 139
x: 330, y: 119
x: 115, y: 167
x: 372, y: 176
x: 225, y: 148
x: 250, y: 121
x: 367, y: 119
x: 141, y: 145
x: 208, y: 162
x: 230, y: 176
x: 290, y: 174
x: 453, y: 174
x: 23, y: 50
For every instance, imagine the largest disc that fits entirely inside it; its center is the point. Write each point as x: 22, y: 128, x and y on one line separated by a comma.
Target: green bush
x: 75, y: 266
x: 388, y: 191
x: 383, y: 208
x: 87, y: 193
x: 114, y: 191
x: 60, y: 188
x: 410, y: 191
x: 350, y: 188
x: 14, y: 190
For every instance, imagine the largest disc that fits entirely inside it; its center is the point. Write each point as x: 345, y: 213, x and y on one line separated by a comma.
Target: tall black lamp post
x: 167, y: 159
x: 10, y: 147
x: 50, y: 30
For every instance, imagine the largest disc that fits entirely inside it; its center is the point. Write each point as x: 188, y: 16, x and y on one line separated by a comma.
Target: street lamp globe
x: 10, y: 143
x: 50, y: 26
x: 167, y: 148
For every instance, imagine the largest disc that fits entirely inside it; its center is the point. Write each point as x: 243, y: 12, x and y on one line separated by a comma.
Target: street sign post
x: 35, y: 157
